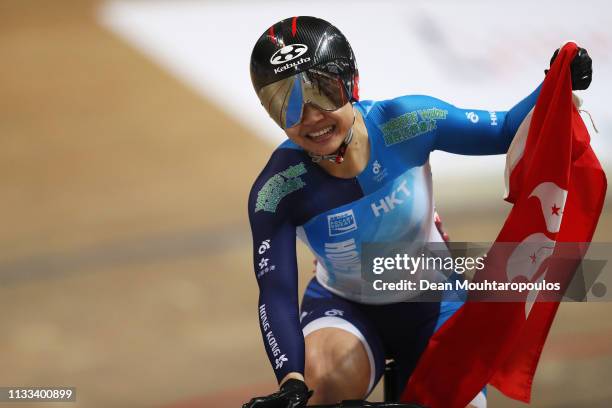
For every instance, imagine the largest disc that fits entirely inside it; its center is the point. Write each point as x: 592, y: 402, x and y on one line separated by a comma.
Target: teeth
x: 320, y: 132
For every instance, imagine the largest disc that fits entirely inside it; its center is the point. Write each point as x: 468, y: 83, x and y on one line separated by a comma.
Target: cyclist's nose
x: 311, y: 115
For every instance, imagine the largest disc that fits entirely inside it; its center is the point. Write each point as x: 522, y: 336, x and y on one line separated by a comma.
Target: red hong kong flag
x: 558, y: 188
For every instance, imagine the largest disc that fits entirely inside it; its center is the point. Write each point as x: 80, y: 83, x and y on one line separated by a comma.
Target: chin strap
x: 338, y: 156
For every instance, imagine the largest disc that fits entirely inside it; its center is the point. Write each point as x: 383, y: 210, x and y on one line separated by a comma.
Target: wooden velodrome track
x: 125, y: 260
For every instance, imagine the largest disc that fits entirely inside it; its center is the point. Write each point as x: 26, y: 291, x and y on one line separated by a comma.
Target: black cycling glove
x: 581, y: 69
x: 292, y: 394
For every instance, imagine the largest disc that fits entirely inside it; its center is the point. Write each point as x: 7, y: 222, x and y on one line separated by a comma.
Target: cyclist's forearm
x: 281, y: 332
x: 515, y: 116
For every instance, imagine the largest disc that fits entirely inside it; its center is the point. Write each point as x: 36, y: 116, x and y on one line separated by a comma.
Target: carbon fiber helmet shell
x: 297, y: 44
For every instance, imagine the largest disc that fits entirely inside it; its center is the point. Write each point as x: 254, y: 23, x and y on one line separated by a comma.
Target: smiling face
x: 322, y: 132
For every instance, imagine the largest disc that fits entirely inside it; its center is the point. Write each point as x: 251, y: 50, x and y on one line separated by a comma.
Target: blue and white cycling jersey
x: 390, y: 200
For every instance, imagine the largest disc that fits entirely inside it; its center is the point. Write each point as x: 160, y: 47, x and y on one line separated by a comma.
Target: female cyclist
x: 350, y: 172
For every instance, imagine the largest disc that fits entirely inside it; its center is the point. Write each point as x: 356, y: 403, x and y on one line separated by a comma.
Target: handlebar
x: 366, y: 404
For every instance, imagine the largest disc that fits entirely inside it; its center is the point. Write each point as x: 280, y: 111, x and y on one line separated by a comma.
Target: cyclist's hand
x: 293, y: 394
x: 581, y: 69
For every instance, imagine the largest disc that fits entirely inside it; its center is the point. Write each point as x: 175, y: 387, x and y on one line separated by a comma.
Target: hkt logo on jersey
x: 288, y: 53
x: 341, y: 223
x: 493, y: 117
x: 389, y: 202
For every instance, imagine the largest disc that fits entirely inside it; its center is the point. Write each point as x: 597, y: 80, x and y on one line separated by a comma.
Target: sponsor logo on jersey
x: 270, y: 339
x: 411, y: 124
x: 472, y: 117
x: 279, y: 186
x: 341, y: 223
x: 376, y: 167
x: 288, y: 53
x: 334, y: 312
x: 265, y: 245
x: 379, y: 172
x: 343, y: 255
x: 493, y: 117
x: 389, y: 202
x: 264, y: 267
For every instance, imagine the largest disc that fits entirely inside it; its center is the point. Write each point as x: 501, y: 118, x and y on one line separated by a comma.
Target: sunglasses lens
x: 275, y: 99
x: 285, y: 99
x: 325, y: 91
x: 295, y: 104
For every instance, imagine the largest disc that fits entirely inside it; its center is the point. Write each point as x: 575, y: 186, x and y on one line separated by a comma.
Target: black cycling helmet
x: 299, y: 44
x: 308, y: 42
